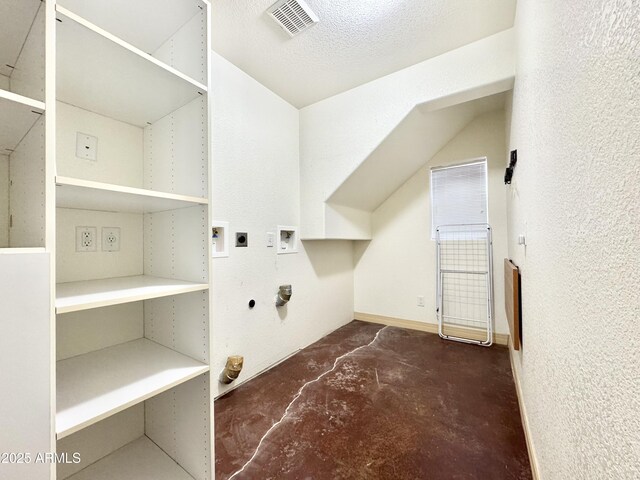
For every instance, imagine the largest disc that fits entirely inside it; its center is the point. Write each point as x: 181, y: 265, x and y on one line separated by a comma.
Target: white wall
x: 256, y: 187
x: 398, y: 264
x: 119, y: 153
x: 339, y: 133
x: 576, y: 195
x: 72, y: 266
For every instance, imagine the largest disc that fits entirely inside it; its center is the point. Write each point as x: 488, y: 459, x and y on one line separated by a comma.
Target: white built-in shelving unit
x: 22, y: 125
x: 125, y: 375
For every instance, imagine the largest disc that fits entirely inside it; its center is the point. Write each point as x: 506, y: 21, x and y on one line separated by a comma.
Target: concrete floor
x: 367, y: 402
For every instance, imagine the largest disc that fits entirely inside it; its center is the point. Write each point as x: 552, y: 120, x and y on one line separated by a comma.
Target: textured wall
x: 576, y: 195
x: 398, y: 264
x: 256, y: 187
x: 339, y: 133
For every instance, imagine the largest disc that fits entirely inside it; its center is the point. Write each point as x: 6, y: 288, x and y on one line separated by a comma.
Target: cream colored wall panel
x: 74, y: 266
x: 18, y: 114
x: 180, y: 322
x: 28, y: 75
x: 26, y: 192
x: 175, y: 244
x: 120, y: 147
x: 25, y: 356
x: 186, y: 50
x: 4, y: 82
x: 176, y: 151
x: 178, y: 422
x: 88, y: 330
x: 16, y: 17
x: 402, y: 248
x: 101, y: 439
x: 4, y: 201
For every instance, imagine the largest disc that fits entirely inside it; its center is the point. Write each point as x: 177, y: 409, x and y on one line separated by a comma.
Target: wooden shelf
x: 84, y: 295
x: 140, y: 459
x: 17, y: 115
x: 89, y: 195
x: 99, y: 384
x: 101, y: 73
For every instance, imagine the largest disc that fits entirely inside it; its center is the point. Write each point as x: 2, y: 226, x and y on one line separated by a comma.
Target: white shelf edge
x: 136, y: 399
x: 29, y: 102
x: 21, y: 250
x: 94, y: 28
x: 78, y: 182
x: 184, y: 287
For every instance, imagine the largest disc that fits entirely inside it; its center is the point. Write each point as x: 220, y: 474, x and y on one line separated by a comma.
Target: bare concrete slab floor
x: 368, y: 402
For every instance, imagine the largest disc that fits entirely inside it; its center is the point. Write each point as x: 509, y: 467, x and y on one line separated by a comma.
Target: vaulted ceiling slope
x: 422, y: 133
x: 354, y: 43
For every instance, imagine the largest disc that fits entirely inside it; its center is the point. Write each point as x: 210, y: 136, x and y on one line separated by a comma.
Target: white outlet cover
x: 86, y: 239
x: 110, y: 239
x: 271, y: 238
x: 86, y: 147
x: 421, y: 301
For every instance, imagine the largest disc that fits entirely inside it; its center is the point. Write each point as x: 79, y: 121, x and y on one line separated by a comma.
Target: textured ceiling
x: 355, y: 42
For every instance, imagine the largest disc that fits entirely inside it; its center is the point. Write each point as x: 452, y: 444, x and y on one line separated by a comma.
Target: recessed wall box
x: 219, y: 239
x: 287, y: 239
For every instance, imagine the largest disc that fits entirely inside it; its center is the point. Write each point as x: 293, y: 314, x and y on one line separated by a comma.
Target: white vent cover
x: 294, y: 16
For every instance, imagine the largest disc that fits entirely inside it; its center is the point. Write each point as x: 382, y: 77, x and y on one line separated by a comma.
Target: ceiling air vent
x: 294, y: 16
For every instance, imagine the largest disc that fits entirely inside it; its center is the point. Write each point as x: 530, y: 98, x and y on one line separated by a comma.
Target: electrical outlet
x: 271, y: 238
x: 421, y: 301
x: 242, y: 239
x: 86, y: 238
x: 110, y: 239
x: 86, y: 146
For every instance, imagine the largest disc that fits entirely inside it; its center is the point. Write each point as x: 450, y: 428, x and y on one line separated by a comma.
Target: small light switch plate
x: 86, y: 147
x: 271, y: 238
x: 420, y: 301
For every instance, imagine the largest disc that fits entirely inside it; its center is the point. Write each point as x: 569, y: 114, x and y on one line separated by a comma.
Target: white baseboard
x: 498, y: 338
x: 533, y: 458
